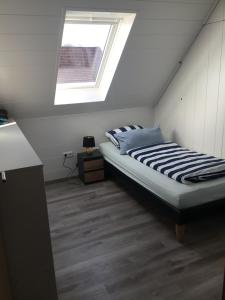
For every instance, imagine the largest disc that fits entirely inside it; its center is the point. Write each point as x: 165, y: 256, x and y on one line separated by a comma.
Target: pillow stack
x: 134, y: 136
x: 111, y: 133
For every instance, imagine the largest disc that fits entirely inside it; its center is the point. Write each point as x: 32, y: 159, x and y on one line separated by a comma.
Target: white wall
x: 29, y: 33
x: 192, y: 110
x: 29, y: 36
x: 51, y: 136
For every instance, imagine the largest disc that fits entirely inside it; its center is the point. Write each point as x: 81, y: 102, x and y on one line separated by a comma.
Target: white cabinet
x: 24, y: 223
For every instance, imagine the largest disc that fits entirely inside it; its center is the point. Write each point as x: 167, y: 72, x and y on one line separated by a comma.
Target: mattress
x: 178, y: 195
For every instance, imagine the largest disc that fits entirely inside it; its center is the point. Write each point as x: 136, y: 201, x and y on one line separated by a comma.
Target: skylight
x: 92, y: 44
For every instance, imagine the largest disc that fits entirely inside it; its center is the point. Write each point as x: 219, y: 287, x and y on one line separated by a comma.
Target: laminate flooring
x: 108, y: 245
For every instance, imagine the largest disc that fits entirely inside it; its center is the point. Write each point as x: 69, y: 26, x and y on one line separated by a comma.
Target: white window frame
x: 71, y: 93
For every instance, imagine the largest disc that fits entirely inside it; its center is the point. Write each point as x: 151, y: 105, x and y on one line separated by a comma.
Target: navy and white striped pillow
x: 111, y: 133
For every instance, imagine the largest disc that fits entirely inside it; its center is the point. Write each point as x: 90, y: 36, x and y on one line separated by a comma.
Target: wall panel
x: 195, y: 100
x: 214, y: 67
x: 219, y: 144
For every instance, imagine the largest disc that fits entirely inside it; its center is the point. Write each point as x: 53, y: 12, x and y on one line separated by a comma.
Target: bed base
x: 181, y: 217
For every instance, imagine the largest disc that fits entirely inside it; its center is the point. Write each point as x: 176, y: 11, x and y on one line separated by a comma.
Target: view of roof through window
x: 82, y: 52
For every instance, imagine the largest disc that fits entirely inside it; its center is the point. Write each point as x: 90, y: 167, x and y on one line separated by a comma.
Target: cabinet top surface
x: 15, y: 150
x: 94, y: 155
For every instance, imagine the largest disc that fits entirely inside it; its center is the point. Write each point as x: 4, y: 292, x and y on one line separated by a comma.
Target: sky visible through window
x: 85, y: 35
x: 82, y: 50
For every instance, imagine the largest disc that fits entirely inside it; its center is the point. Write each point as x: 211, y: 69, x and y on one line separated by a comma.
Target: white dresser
x: 25, y: 245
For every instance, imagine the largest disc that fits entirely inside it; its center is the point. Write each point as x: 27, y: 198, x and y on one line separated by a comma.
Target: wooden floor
x: 108, y: 245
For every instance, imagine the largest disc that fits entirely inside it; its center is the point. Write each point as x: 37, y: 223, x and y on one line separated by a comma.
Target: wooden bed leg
x: 180, y: 229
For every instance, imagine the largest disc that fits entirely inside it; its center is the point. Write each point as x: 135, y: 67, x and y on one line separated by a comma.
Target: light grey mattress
x: 176, y: 194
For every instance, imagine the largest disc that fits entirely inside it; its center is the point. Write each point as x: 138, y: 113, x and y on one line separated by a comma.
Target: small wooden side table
x: 91, y: 166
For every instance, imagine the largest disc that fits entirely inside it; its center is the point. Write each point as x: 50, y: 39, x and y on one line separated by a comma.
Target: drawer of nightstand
x: 94, y: 176
x: 95, y: 164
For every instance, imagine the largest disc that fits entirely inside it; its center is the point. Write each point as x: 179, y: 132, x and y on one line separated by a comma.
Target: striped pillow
x: 111, y: 133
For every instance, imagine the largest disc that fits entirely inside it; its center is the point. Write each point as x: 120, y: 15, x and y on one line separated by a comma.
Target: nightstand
x: 91, y: 166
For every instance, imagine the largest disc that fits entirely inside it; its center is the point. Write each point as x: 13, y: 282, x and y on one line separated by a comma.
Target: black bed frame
x: 180, y: 216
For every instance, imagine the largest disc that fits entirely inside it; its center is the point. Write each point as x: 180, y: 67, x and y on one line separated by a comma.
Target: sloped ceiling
x: 29, y: 35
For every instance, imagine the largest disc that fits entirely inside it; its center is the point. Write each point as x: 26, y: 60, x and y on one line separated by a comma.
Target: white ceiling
x: 29, y: 34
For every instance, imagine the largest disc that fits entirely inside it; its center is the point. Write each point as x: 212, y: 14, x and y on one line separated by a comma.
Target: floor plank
x: 108, y: 246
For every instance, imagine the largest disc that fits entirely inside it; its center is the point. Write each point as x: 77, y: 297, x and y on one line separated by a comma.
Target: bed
x: 182, y: 199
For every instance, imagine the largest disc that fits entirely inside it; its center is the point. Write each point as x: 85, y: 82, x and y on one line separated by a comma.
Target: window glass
x: 82, y: 51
